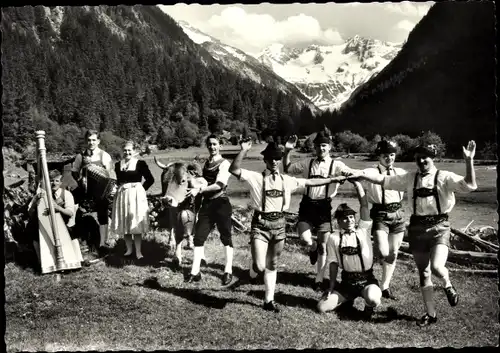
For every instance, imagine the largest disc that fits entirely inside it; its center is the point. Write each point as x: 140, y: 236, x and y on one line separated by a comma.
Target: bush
x: 489, y: 151
x: 112, y: 144
x: 350, y: 142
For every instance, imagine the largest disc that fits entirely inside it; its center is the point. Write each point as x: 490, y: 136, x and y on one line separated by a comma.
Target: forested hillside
x: 443, y: 80
x: 130, y: 72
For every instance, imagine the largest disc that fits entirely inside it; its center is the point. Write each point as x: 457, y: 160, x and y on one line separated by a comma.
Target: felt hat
x: 428, y: 150
x: 322, y: 137
x: 386, y: 146
x: 272, y: 151
x: 343, y: 210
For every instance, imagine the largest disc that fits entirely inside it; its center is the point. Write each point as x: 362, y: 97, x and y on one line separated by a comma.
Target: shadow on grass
x: 287, y: 300
x: 193, y: 295
x: 298, y: 279
x: 154, y: 254
x: 350, y: 313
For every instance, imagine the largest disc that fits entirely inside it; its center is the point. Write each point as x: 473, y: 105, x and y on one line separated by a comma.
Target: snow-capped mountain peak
x: 329, y: 74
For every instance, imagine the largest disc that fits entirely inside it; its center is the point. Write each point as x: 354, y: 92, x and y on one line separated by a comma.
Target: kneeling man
x: 350, y: 249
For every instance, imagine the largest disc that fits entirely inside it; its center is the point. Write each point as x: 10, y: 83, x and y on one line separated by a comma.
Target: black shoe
x: 452, y: 295
x: 386, y: 293
x: 318, y: 287
x: 176, y: 265
x: 193, y: 278
x: 271, y: 306
x: 203, y: 263
x: 368, y: 312
x: 426, y: 320
x: 256, y: 280
x: 313, y: 256
x: 227, y: 278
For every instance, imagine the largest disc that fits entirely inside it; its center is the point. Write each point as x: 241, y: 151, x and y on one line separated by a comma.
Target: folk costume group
x: 337, y: 243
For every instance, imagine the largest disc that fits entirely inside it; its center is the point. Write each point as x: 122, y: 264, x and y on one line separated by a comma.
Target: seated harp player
x: 350, y: 249
x: 270, y: 194
x: 386, y: 212
x: 315, y: 210
x: 432, y: 196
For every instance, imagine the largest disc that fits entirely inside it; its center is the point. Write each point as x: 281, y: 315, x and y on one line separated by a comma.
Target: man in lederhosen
x: 215, y: 210
x: 93, y: 155
x: 315, y: 210
x: 388, y: 224
x: 350, y: 249
x: 270, y: 195
x: 432, y: 197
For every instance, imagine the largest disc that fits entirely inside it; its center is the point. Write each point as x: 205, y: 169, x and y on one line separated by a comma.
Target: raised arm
x: 470, y: 173
x: 364, y: 211
x: 235, y: 167
x: 289, y: 146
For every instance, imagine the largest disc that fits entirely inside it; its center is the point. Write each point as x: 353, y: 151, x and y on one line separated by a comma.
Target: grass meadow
x: 122, y: 305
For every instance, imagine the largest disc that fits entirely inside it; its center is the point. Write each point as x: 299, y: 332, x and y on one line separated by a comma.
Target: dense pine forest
x: 130, y: 72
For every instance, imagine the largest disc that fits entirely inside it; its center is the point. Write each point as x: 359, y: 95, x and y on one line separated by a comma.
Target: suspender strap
x: 283, y: 193
x: 436, y: 195
x: 382, y: 187
x: 340, y: 252
x: 414, y: 195
x: 264, y: 191
x: 327, y: 194
x: 359, y: 253
x: 309, y: 176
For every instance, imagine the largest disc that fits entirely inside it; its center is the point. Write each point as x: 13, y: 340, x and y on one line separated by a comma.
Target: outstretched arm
x: 361, y: 175
x: 470, y: 173
x: 235, y: 167
x: 326, y: 181
x: 364, y: 212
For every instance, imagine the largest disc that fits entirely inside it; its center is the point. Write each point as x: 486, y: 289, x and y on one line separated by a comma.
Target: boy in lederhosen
x: 215, y: 210
x: 432, y: 197
x: 387, y: 214
x: 270, y: 194
x: 350, y: 249
x: 315, y: 210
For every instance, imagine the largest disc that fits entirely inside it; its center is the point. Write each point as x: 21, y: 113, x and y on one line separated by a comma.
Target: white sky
x: 252, y: 28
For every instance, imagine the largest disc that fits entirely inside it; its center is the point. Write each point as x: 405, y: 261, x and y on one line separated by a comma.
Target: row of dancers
x: 346, y: 248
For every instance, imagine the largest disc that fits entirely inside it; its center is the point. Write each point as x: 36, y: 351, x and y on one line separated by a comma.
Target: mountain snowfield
x: 329, y: 74
x: 244, y: 64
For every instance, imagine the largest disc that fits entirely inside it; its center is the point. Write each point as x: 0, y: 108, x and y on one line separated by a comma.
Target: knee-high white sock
x: 178, y: 251
x: 428, y: 294
x: 229, y: 259
x: 270, y: 283
x: 103, y: 232
x: 387, y: 272
x: 320, y: 267
x: 253, y: 274
x: 197, y: 256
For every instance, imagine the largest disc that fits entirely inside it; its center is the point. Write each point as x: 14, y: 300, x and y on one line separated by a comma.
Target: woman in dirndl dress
x: 130, y: 214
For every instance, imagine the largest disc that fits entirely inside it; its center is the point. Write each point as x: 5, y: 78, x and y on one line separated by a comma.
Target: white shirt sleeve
x: 108, y: 162
x: 332, y: 247
x: 293, y: 183
x: 250, y: 176
x: 397, y: 182
x: 456, y: 183
x: 223, y: 175
x: 341, y: 168
x: 69, y: 201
